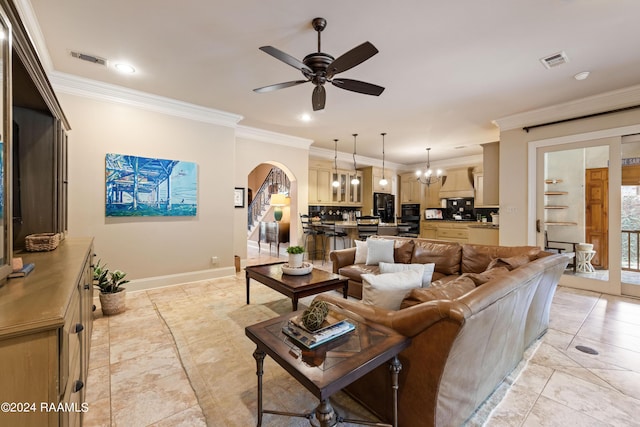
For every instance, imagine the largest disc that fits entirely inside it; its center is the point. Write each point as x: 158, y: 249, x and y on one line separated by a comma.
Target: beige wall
x: 171, y: 247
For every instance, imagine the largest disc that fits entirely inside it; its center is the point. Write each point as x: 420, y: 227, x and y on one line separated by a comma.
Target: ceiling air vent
x: 89, y: 58
x: 555, y: 60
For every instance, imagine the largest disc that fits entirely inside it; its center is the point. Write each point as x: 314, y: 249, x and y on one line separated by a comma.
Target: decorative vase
x: 113, y: 303
x: 295, y: 260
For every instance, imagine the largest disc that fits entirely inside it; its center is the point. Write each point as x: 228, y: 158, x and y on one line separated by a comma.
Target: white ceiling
x: 449, y: 67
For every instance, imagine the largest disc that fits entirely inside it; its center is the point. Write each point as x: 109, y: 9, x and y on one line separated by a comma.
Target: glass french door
x: 577, y: 210
x: 630, y: 215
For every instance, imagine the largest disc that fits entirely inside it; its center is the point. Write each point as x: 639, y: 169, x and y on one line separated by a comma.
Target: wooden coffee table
x: 295, y: 287
x: 329, y: 367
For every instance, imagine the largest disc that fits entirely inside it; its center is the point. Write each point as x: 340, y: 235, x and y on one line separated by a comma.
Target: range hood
x: 459, y: 183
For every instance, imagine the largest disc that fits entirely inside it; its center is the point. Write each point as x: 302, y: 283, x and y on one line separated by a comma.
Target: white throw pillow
x: 425, y: 269
x: 389, y: 289
x: 379, y: 250
x: 361, y: 252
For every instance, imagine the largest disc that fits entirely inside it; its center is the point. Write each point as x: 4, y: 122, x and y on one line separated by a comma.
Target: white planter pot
x: 295, y: 260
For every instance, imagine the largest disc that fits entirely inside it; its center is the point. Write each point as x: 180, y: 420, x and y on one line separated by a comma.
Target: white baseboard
x: 178, y: 279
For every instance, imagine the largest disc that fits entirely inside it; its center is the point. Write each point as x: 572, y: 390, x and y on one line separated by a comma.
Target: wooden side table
x: 329, y: 367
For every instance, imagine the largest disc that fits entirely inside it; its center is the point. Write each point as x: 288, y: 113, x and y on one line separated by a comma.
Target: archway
x: 267, y: 178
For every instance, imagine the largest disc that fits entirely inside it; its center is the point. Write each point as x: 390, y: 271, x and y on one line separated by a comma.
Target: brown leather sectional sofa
x: 463, y: 346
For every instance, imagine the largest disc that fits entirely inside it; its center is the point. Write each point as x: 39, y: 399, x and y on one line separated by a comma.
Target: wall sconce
x: 278, y: 200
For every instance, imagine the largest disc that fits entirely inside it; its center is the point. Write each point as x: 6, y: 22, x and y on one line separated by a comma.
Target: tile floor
x: 136, y: 376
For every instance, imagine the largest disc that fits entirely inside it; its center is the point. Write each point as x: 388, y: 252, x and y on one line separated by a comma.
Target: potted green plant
x: 112, y: 294
x: 296, y: 254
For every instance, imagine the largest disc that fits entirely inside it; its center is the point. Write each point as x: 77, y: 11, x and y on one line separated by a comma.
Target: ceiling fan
x: 319, y: 68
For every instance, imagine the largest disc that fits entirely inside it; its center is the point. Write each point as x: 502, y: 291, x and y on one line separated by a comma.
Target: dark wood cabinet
x: 273, y: 233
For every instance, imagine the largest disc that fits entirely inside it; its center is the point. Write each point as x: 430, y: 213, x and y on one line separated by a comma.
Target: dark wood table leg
x: 345, y: 290
x: 294, y: 303
x: 395, y: 367
x: 259, y: 356
x: 246, y: 274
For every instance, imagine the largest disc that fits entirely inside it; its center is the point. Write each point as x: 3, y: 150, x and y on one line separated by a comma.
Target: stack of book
x: 23, y: 271
x: 311, y: 339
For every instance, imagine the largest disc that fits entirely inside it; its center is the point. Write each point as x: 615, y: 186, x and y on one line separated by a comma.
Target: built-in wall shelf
x: 556, y: 207
x: 555, y: 193
x: 552, y: 181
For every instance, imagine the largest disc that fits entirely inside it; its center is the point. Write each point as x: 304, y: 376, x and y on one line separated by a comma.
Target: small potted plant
x: 296, y: 254
x: 112, y: 294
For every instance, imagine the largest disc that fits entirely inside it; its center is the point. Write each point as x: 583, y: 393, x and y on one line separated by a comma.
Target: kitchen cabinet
x: 484, y: 235
x: 428, y: 230
x: 45, y: 335
x: 411, y: 190
x: 433, y: 195
x: 453, y: 232
x: 478, y: 184
x: 491, y: 174
x: 320, y: 186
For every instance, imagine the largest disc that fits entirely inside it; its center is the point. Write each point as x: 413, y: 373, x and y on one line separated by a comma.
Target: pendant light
x: 383, y: 181
x: 335, y: 182
x: 427, y: 176
x: 354, y: 180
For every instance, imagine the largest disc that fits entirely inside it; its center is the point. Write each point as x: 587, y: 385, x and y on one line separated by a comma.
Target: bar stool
x: 367, y: 226
x: 311, y: 235
x: 330, y: 231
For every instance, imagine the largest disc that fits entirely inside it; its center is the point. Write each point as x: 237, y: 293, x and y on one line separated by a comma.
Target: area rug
x: 208, y: 330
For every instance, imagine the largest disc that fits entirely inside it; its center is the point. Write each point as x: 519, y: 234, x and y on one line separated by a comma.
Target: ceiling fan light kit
x: 319, y: 68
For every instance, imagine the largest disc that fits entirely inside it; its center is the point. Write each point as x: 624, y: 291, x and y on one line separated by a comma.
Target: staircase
x: 275, y: 182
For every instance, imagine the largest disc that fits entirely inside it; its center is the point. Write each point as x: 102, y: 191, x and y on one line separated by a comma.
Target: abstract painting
x: 143, y: 186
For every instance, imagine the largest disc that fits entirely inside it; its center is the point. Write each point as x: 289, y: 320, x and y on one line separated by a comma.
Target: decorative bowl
x: 297, y: 271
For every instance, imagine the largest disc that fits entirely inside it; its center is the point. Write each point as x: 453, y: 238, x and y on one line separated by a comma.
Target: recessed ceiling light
x: 581, y: 76
x: 305, y: 117
x: 125, y: 68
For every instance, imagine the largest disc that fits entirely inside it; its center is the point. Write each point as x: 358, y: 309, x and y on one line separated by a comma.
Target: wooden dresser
x: 46, y: 321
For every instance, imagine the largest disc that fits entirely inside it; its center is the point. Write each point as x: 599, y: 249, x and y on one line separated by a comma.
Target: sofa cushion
x: 476, y: 258
x: 355, y: 271
x: 379, y: 250
x: 402, y: 251
x: 446, y: 256
x: 388, y: 290
x: 426, y: 269
x: 450, y: 290
x: 485, y: 276
x: 361, y: 252
x: 510, y: 263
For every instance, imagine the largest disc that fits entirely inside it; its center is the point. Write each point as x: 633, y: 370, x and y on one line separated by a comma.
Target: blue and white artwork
x: 142, y: 186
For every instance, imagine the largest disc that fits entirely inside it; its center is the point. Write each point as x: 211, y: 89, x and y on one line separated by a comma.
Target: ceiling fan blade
x: 286, y: 58
x: 318, y: 98
x: 350, y: 59
x: 277, y: 86
x: 358, y: 86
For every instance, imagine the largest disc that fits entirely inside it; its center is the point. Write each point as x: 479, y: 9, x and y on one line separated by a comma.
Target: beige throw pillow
x: 426, y: 269
x: 361, y: 252
x: 389, y: 289
x: 379, y: 250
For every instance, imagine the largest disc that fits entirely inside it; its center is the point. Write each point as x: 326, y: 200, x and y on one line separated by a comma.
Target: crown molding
x: 270, y: 137
x: 79, y: 86
x: 592, y: 104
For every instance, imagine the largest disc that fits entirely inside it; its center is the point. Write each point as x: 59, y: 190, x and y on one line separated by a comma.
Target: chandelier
x: 427, y: 175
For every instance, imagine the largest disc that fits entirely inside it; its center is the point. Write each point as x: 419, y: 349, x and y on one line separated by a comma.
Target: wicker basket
x: 41, y: 242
